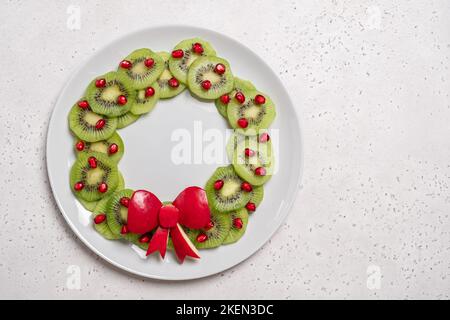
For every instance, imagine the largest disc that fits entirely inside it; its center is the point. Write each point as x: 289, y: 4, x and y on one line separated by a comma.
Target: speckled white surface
x: 371, y: 80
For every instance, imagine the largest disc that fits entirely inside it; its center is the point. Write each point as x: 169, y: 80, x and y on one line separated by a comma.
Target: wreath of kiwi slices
x: 118, y: 98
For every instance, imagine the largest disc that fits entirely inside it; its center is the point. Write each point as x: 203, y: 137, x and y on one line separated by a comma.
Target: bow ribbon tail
x: 182, y: 245
x: 159, y: 242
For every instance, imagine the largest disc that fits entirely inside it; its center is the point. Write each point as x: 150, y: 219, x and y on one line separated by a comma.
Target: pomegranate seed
x: 100, y: 218
x: 144, y: 239
x: 237, y: 223
x: 246, y: 186
x: 243, y: 123
x: 124, y: 229
x: 225, y: 99
x: 197, y: 48
x: 178, y: 54
x: 209, y: 225
x: 218, y: 184
x: 122, y: 100
x: 250, y: 206
x: 100, y: 83
x: 80, y: 145
x: 206, y: 84
x: 239, y: 96
x: 173, y: 82
x: 125, y: 201
x: 100, y: 124
x: 249, y: 152
x: 92, y: 162
x: 113, y: 148
x: 202, y: 237
x: 149, y: 92
x: 260, y: 171
x: 220, y: 68
x: 149, y: 62
x: 125, y: 64
x: 78, y: 186
x: 260, y: 99
x: 103, y: 187
x: 264, y: 137
x: 83, y: 104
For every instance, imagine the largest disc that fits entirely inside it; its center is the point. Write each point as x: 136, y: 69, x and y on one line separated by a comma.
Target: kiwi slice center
x: 91, y: 118
x: 99, y: 147
x: 139, y: 68
x: 252, y: 112
x: 111, y: 93
x: 230, y: 188
x: 95, y: 176
x: 123, y: 214
x: 141, y: 95
x: 213, y: 77
x: 166, y: 75
x: 206, y: 72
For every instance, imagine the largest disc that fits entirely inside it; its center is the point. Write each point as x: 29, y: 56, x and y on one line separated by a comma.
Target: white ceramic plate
x: 147, y: 161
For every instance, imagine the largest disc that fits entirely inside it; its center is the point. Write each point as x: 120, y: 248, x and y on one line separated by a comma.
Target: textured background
x: 371, y: 82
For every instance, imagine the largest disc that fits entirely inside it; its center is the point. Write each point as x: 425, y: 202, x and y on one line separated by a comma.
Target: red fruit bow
x: 189, y: 209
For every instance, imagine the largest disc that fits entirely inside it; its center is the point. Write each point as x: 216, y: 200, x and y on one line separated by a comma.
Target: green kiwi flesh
x: 259, y: 117
x: 179, y: 67
x: 263, y: 157
x: 235, y: 233
x: 103, y: 227
x: 104, y: 100
x: 82, y: 122
x: 203, y: 69
x: 139, y: 75
x: 126, y: 119
x: 257, y: 195
x: 145, y: 104
x: 240, y: 85
x: 102, y: 146
x: 230, y: 196
x: 166, y: 91
x: 117, y: 215
x: 106, y: 171
x: 217, y: 234
x: 91, y: 205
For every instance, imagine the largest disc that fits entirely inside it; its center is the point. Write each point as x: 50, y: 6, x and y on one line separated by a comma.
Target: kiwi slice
x: 258, y: 166
x: 256, y: 116
x: 229, y: 196
x: 168, y: 90
x: 179, y: 66
x: 256, y: 195
x: 204, y: 70
x: 117, y: 215
x: 239, y: 221
x: 103, y: 227
x: 146, y: 67
x: 126, y: 119
x: 86, y: 181
x: 239, y: 86
x: 216, y: 234
x: 91, y: 205
x: 113, y: 147
x: 146, y: 99
x: 111, y: 94
x: 90, y: 126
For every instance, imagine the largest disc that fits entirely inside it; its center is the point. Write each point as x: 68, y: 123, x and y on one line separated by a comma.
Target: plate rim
x: 74, y: 72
